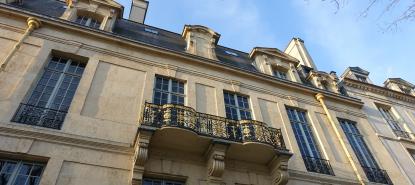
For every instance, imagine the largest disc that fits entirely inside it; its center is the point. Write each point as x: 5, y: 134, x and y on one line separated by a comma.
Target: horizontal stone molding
x: 44, y: 135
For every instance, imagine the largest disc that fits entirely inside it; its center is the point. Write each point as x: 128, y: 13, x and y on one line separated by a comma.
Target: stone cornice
x: 45, y: 135
x: 108, y: 35
x: 379, y: 90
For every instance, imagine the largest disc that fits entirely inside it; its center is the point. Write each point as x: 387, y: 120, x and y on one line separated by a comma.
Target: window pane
x: 168, y: 91
x: 25, y: 169
x: 20, y: 180
x: 4, y: 178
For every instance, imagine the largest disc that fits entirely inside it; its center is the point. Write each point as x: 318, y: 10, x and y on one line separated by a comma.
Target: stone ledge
x: 48, y: 135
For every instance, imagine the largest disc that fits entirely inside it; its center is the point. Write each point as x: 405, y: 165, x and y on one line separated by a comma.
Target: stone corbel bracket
x: 279, y: 169
x: 215, y: 157
x: 140, y: 154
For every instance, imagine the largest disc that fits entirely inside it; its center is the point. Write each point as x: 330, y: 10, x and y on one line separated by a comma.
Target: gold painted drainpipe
x: 32, y: 24
x: 320, y: 98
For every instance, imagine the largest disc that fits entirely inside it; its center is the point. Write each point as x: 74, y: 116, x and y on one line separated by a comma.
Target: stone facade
x: 114, y: 131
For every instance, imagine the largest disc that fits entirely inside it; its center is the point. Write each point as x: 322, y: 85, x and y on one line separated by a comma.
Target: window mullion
x: 170, y: 90
x: 301, y: 126
x: 14, y: 173
x: 58, y: 84
x: 88, y: 22
x: 238, y: 110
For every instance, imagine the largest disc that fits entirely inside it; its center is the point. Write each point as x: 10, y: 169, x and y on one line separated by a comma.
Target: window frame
x: 362, y: 151
x: 310, y: 148
x: 281, y: 74
x: 49, y: 100
x: 18, y: 166
x: 237, y: 107
x: 304, y: 122
x: 393, y: 120
x: 91, y: 21
x: 59, y: 83
x: 361, y: 78
x: 169, y: 91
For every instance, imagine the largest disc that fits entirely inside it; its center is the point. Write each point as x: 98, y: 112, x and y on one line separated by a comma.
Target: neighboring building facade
x: 87, y: 97
x: 391, y: 114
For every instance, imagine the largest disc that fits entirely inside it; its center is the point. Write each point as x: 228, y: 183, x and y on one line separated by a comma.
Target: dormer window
x: 405, y: 90
x: 280, y: 74
x: 231, y: 53
x: 88, y: 21
x: 361, y: 78
x: 325, y: 85
x: 151, y: 31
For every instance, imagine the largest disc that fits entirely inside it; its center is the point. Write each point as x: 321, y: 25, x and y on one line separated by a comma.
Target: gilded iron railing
x: 210, y: 125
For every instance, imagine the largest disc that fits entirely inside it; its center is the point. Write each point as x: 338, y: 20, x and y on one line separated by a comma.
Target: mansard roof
x: 399, y: 81
x: 359, y: 70
x: 137, y: 31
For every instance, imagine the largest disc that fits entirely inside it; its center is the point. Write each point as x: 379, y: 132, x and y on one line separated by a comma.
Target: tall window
x: 363, y: 154
x: 280, y: 74
x: 236, y: 106
x: 325, y: 85
x: 392, y: 121
x: 148, y: 181
x: 49, y: 101
x: 14, y: 172
x: 308, y: 146
x: 167, y: 90
x: 88, y: 21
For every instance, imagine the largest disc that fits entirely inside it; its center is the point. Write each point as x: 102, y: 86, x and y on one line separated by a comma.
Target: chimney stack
x: 138, y: 11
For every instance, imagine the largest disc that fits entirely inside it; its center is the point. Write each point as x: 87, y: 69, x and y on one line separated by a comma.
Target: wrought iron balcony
x: 377, y: 175
x: 318, y: 165
x: 401, y: 133
x: 39, y: 116
x: 169, y: 115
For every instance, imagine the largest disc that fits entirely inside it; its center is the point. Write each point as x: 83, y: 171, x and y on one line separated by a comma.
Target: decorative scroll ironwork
x: 318, y: 165
x: 401, y: 133
x: 377, y: 175
x: 39, y: 116
x: 210, y: 125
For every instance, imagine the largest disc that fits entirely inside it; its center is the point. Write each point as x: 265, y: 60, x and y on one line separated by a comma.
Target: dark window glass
x: 280, y: 74
x: 88, y: 21
x: 361, y: 78
x: 168, y: 90
x: 20, y: 172
x: 237, y: 106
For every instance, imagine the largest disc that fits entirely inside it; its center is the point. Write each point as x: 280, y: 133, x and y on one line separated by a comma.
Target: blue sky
x: 335, y: 39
